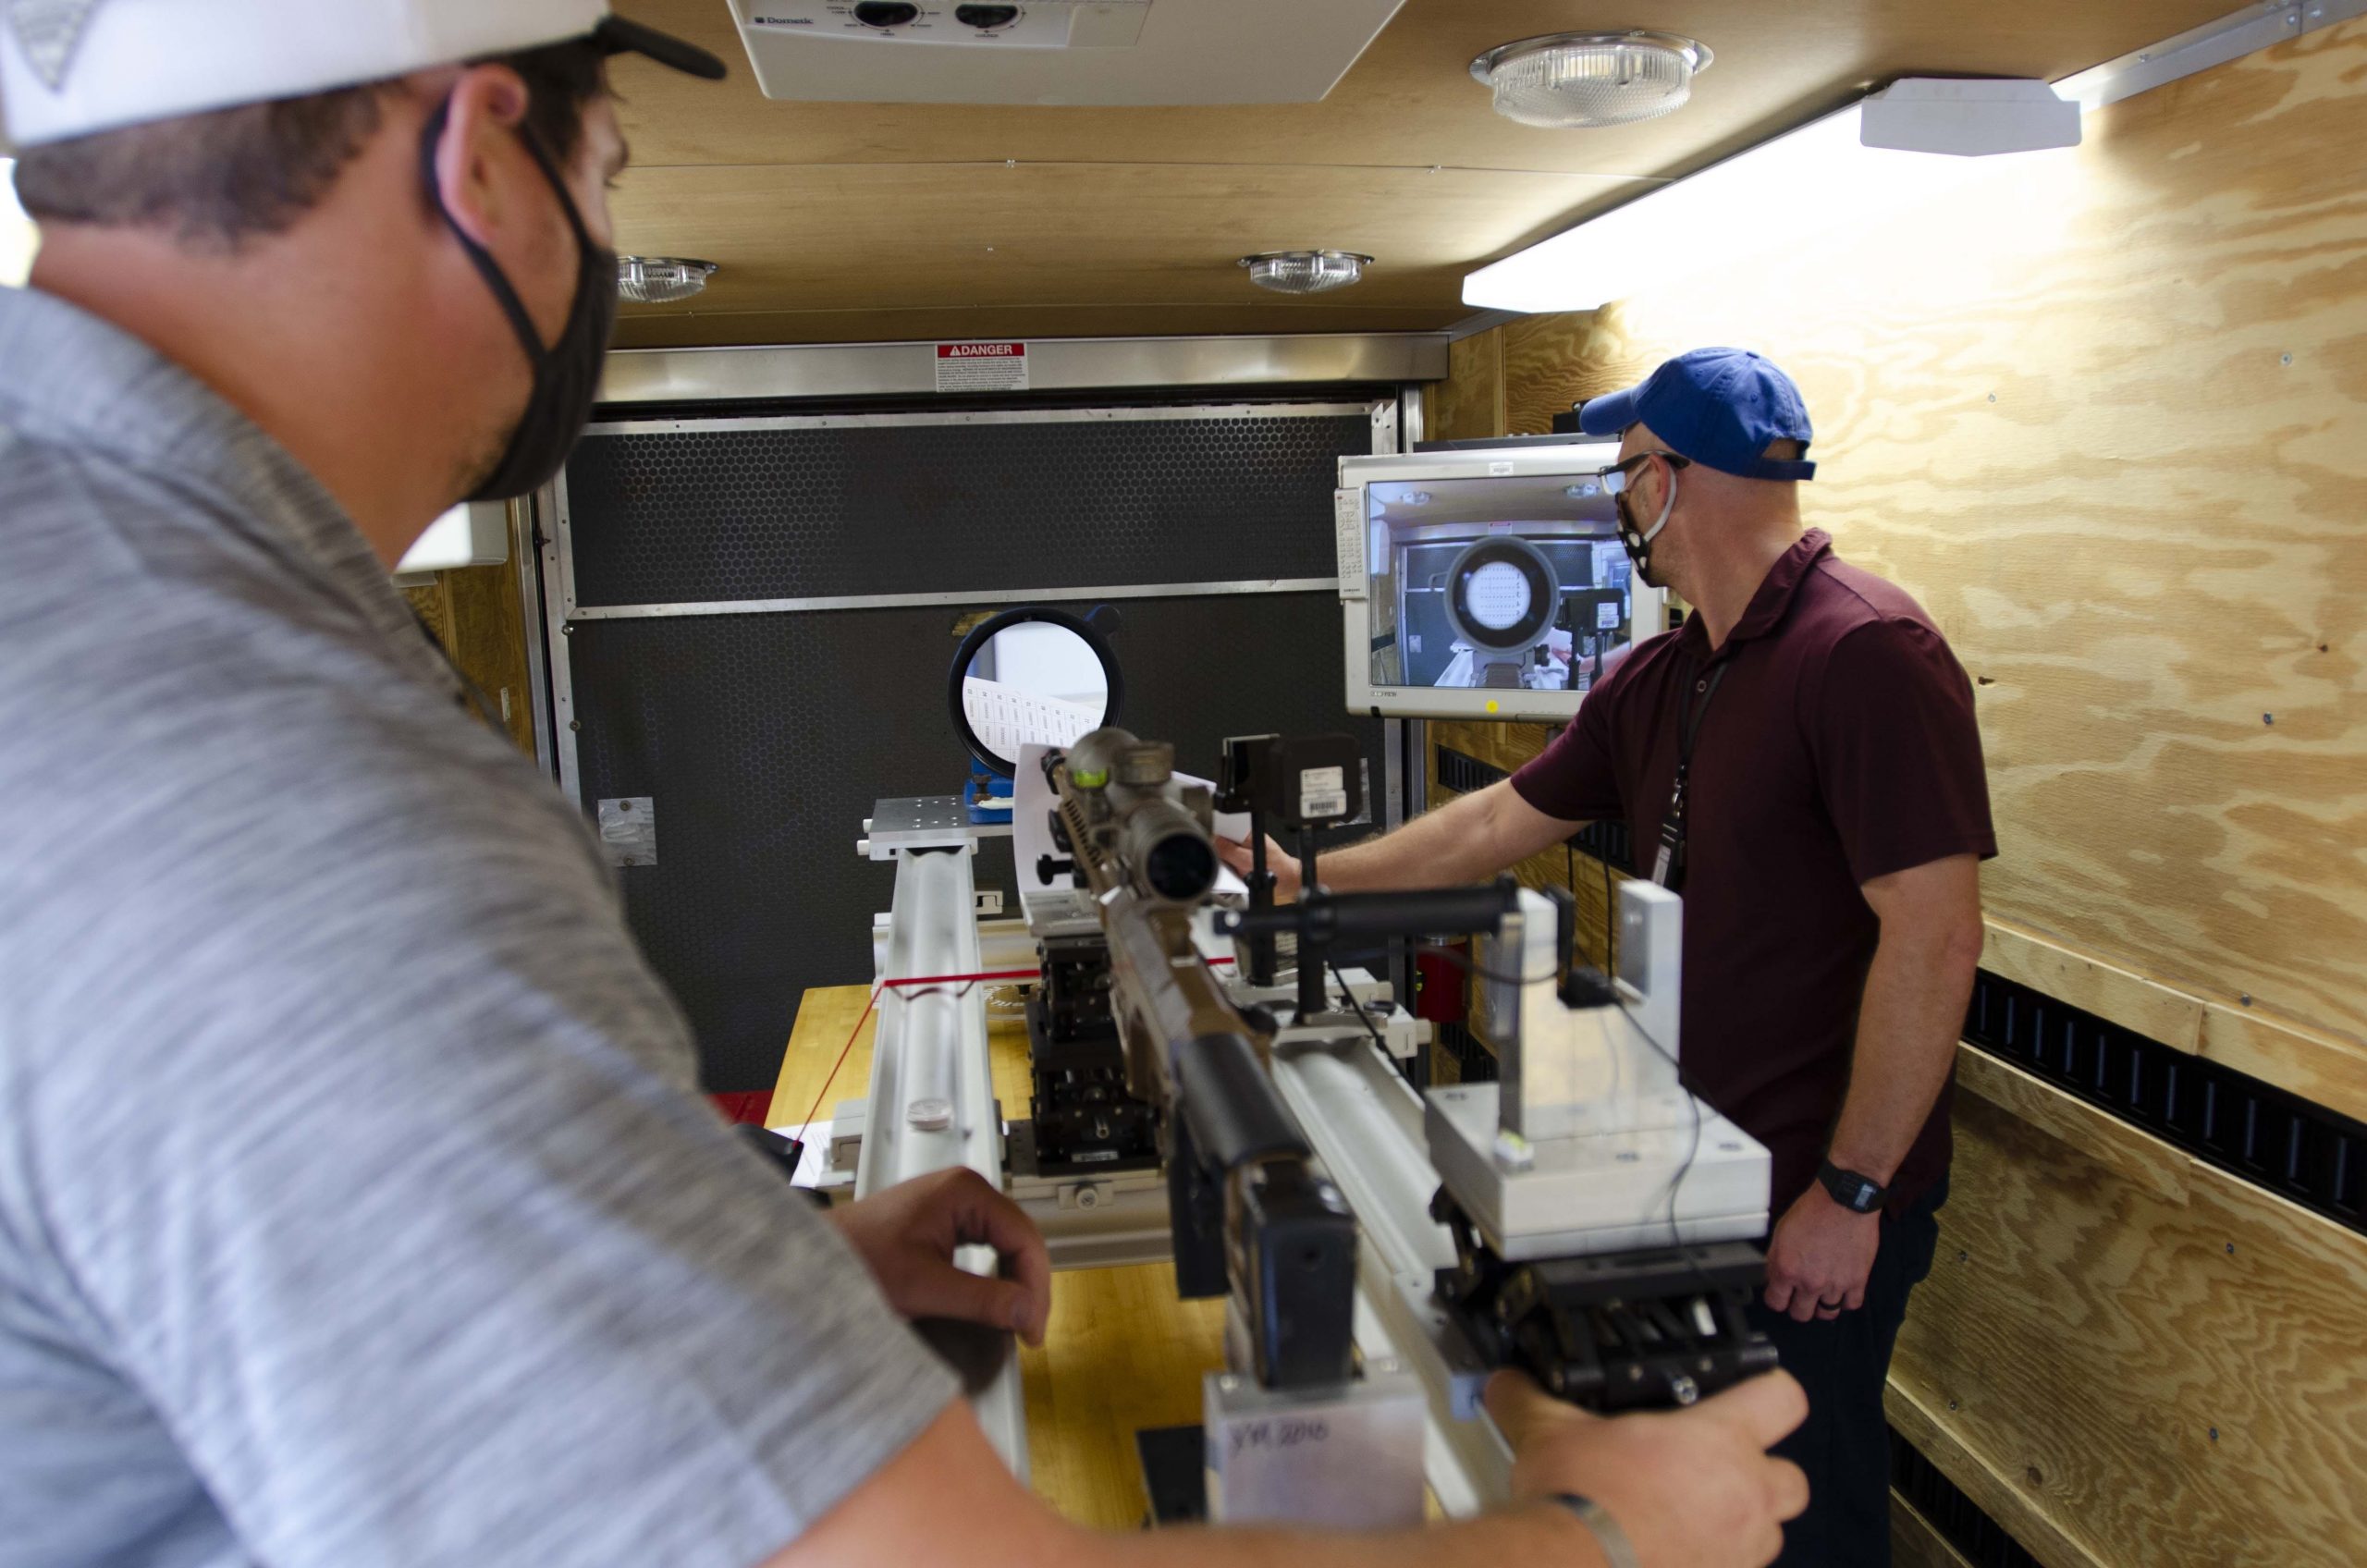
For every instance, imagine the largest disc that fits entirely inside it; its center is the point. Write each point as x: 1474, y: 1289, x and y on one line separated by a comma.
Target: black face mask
x: 1640, y: 540
x: 568, y: 372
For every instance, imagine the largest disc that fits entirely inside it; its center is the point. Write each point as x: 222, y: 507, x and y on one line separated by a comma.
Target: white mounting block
x: 1054, y: 52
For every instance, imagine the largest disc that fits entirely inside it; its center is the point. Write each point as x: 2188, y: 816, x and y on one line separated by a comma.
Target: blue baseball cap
x: 1719, y: 407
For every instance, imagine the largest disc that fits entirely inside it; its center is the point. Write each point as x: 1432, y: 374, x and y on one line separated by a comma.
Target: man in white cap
x: 357, y: 1205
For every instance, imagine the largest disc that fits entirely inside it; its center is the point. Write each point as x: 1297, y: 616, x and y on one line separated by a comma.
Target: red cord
x: 957, y: 979
x: 841, y: 1061
x: 917, y: 980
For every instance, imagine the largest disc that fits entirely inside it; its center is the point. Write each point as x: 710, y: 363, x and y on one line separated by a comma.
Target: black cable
x: 1349, y: 997
x: 1609, y: 918
x: 1693, y: 1148
x: 1570, y: 855
x: 1471, y: 965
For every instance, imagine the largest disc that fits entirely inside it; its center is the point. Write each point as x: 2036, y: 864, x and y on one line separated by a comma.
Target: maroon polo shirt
x: 1839, y: 746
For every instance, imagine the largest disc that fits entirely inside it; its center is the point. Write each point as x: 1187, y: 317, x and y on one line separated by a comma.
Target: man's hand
x: 906, y: 1235
x: 1818, y: 1257
x: 1692, y: 1488
x: 1237, y: 855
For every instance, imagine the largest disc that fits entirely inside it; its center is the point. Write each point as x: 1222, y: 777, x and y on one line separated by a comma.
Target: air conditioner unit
x: 1098, y: 52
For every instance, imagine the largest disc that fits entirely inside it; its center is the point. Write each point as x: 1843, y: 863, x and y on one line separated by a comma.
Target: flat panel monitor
x: 1484, y: 584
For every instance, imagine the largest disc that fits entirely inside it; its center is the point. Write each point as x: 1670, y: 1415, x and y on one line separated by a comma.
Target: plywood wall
x: 477, y: 616
x: 2108, y: 420
x: 2109, y: 423
x: 1507, y: 746
x: 2128, y: 1357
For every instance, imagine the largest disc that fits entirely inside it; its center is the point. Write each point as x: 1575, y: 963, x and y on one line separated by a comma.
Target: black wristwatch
x: 1858, y: 1194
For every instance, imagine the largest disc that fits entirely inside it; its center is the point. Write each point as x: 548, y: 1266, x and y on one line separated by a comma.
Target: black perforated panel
x: 765, y: 738
x: 703, y: 516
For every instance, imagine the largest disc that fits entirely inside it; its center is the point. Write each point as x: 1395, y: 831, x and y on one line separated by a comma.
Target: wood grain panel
x: 1554, y: 361
x: 2107, y: 990
x: 2106, y: 416
x: 433, y: 607
x: 1988, y: 1489
x: 1914, y: 1543
x: 1469, y: 404
x: 1120, y: 1355
x: 2319, y: 1066
x: 1410, y: 101
x: 811, y: 1073
x: 2326, y: 1068
x: 475, y: 615
x: 1409, y: 104
x: 488, y: 640
x: 1031, y: 234
x: 2128, y: 1357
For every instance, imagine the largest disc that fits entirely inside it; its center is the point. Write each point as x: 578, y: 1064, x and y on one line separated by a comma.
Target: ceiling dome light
x: 1566, y: 81
x: 1304, y: 272
x: 660, y: 280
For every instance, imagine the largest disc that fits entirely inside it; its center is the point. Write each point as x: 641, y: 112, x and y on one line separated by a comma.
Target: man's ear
x: 477, y: 149
x: 1651, y: 485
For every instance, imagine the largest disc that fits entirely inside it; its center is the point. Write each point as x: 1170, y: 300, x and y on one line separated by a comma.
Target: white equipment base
x: 1603, y: 1191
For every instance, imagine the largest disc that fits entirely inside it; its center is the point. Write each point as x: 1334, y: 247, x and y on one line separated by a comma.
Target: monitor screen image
x: 1485, y: 583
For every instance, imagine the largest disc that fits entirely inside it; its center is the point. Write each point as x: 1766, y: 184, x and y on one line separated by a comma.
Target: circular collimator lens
x: 1180, y: 868
x: 1502, y: 596
x: 1498, y: 596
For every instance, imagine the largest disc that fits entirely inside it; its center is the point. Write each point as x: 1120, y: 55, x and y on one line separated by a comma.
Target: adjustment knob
x: 1146, y: 766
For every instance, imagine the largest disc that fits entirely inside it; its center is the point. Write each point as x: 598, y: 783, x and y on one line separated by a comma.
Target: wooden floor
x: 1121, y: 1352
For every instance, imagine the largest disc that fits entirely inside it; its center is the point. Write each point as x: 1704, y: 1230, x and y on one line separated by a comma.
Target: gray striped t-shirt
x: 357, y: 1206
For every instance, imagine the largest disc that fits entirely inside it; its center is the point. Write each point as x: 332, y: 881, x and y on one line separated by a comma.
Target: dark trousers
x: 1844, y: 1443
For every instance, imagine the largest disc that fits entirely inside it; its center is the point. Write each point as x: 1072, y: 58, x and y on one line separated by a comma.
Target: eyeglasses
x: 1616, y: 479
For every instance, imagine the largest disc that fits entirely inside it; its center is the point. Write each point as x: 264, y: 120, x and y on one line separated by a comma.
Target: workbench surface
x: 1121, y: 1352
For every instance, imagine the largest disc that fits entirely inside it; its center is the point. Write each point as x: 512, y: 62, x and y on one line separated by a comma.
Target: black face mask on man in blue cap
x: 567, y: 373
x: 1618, y: 480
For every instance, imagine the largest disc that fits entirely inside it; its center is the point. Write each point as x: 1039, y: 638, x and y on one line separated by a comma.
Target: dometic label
x: 982, y: 367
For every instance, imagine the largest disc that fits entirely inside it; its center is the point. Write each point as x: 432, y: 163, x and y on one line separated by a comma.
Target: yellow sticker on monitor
x: 1491, y: 704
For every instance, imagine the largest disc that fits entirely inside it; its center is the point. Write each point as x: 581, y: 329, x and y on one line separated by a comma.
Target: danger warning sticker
x: 982, y: 367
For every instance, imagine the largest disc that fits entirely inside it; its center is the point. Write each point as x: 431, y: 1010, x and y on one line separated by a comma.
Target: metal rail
x: 932, y: 1098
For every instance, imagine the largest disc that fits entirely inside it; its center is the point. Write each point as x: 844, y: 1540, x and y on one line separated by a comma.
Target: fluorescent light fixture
x: 18, y: 239
x: 473, y: 534
x: 1773, y: 195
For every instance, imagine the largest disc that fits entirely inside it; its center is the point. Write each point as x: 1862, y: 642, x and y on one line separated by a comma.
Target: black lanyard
x: 1668, y: 869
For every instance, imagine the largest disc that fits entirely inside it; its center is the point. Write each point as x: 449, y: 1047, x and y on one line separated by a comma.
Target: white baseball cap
x: 69, y: 67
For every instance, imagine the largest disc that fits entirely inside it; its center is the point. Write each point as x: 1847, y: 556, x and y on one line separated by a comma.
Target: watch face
x: 1851, y: 1191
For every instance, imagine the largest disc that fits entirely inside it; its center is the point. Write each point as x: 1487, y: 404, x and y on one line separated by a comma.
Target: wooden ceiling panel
x: 823, y: 211
x: 938, y: 236
x: 1410, y: 102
